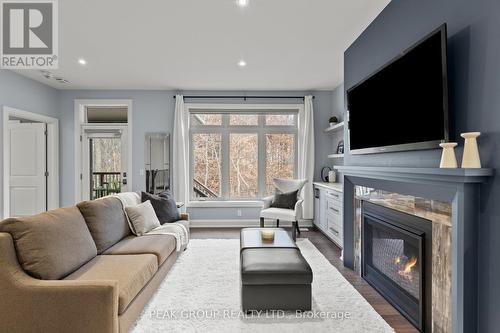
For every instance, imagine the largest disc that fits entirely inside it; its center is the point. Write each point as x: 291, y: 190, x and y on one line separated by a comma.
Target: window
x: 236, y: 154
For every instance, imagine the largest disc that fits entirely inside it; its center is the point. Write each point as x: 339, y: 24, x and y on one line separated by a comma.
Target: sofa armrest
x: 185, y: 216
x: 29, y: 304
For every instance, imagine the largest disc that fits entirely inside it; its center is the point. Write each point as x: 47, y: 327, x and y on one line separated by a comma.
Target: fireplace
x: 397, y: 260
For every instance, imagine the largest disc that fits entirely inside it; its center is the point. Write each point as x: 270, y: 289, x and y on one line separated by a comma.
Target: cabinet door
x: 322, y: 212
x: 317, y: 209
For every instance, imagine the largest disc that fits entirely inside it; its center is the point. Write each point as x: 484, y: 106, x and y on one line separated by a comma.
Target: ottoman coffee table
x: 274, y: 274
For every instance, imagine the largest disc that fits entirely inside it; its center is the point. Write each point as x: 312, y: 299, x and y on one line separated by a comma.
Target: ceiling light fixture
x: 82, y: 61
x: 242, y: 3
x: 242, y: 63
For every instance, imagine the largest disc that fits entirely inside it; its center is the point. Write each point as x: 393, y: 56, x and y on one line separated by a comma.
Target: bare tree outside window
x: 106, y: 157
x: 228, y: 148
x: 207, y: 166
x: 243, y: 166
x: 280, y: 158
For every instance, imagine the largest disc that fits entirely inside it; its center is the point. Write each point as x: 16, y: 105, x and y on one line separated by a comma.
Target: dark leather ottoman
x: 274, y: 275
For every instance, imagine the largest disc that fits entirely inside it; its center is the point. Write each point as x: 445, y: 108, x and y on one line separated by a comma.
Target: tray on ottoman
x: 274, y: 274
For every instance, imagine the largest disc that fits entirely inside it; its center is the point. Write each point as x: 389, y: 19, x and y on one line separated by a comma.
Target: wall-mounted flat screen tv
x: 403, y: 105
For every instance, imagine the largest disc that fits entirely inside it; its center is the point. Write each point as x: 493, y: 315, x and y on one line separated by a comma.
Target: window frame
x: 225, y: 129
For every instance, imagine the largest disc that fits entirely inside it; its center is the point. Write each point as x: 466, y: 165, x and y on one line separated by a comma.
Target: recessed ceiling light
x: 242, y: 3
x: 82, y: 61
x: 242, y: 63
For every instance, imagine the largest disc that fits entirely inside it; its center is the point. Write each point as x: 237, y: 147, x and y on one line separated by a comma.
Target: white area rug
x: 202, y: 294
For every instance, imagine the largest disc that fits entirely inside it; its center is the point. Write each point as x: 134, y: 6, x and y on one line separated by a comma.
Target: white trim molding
x: 225, y: 204
x: 52, y: 155
x: 225, y: 129
x: 79, y: 121
x: 249, y: 223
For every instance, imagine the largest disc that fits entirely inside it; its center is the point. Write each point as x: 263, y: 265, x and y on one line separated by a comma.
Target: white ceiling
x: 196, y: 44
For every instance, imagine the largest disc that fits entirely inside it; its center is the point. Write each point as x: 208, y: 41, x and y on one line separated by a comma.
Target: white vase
x: 471, y: 159
x: 448, y: 158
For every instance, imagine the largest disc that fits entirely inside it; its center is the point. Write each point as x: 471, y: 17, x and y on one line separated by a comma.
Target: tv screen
x: 404, y: 105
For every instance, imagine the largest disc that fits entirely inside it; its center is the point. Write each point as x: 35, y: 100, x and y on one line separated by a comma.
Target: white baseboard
x: 242, y: 223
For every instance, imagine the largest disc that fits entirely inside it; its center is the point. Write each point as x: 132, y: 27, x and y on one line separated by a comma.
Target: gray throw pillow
x: 165, y: 208
x: 142, y: 217
x: 285, y: 200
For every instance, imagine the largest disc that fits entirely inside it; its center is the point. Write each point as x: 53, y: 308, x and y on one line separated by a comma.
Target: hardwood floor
x: 332, y: 253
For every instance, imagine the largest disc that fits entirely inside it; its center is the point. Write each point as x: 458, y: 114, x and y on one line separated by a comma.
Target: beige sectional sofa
x: 78, y: 269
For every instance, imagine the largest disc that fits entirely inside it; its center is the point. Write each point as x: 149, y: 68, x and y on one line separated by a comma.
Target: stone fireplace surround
x: 447, y: 197
x: 439, y: 214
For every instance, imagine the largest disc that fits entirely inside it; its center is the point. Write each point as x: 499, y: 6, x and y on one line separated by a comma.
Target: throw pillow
x: 106, y: 221
x: 166, y: 194
x: 285, y: 200
x: 165, y: 208
x: 142, y: 217
x: 51, y: 245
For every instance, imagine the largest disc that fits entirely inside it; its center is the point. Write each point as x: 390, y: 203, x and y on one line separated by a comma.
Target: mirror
x: 157, y: 161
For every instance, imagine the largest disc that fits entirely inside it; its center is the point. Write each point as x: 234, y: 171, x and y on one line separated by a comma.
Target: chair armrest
x: 185, y: 216
x: 267, y: 201
x: 298, y: 209
x: 29, y: 304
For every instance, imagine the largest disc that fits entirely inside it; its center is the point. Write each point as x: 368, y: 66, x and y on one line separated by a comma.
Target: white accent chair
x: 293, y: 215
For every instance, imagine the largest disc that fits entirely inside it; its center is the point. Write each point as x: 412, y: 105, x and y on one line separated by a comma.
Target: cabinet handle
x: 335, y: 210
x: 334, y: 195
x: 334, y: 231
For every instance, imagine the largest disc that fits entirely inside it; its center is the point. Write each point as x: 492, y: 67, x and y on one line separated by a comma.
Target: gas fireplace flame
x: 409, y: 265
x: 406, y: 267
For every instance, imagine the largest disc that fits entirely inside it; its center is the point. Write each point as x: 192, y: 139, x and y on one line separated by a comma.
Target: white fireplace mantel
x: 461, y: 188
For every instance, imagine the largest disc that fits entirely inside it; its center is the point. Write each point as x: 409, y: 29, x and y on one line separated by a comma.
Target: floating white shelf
x: 336, y: 156
x: 335, y: 128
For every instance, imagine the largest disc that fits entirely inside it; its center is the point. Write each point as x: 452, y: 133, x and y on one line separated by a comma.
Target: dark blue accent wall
x: 474, y: 83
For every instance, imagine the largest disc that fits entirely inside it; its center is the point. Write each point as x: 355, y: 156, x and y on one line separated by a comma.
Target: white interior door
x: 105, y: 162
x: 27, y: 168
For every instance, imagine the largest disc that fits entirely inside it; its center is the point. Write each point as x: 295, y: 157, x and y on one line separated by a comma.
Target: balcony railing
x: 105, y: 183
x: 203, y: 191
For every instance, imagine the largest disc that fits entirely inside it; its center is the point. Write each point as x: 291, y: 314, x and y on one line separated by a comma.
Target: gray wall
x: 24, y: 94
x: 474, y: 80
x: 153, y: 111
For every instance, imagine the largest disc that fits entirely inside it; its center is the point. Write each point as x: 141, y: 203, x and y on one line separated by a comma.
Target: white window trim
x: 260, y: 129
x: 80, y: 121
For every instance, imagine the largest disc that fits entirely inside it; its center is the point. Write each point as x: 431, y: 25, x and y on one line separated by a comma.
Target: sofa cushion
x: 106, y: 221
x: 52, y: 244
x: 131, y: 272
x: 159, y: 245
x: 142, y: 218
x: 165, y: 206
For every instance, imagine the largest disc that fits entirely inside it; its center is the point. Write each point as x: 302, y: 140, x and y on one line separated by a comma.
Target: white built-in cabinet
x: 328, y: 207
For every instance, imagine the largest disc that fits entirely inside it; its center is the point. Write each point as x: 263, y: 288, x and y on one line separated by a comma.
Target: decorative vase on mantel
x: 448, y: 158
x: 471, y: 159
